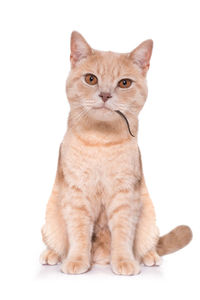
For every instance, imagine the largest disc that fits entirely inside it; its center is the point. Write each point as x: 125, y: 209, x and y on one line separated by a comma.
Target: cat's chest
x: 100, y: 166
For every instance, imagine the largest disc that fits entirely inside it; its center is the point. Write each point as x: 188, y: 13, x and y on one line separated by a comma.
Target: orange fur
x: 100, y: 210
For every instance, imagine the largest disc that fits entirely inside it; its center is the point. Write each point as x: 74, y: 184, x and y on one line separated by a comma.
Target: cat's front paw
x: 75, y: 266
x: 125, y: 266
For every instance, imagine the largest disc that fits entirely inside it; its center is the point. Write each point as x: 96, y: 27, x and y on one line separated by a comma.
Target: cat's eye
x: 91, y: 79
x: 125, y: 83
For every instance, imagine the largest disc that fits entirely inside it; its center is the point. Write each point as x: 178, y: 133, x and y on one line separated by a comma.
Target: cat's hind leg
x: 151, y: 258
x: 54, y: 232
x: 147, y: 233
x: 49, y: 257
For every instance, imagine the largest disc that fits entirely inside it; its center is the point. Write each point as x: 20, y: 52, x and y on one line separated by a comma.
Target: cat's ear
x: 141, y: 55
x: 79, y: 48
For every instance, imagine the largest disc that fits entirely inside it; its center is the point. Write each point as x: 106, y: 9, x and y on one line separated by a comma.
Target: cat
x: 100, y: 210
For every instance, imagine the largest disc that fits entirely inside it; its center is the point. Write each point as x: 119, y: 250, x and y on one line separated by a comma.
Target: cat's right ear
x: 79, y: 48
x: 141, y: 55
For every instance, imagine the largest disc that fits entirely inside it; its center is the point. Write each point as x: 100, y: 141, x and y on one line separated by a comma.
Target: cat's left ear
x: 79, y: 48
x: 141, y: 55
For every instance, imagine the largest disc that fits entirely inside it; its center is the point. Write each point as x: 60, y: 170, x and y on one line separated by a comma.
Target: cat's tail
x: 176, y: 239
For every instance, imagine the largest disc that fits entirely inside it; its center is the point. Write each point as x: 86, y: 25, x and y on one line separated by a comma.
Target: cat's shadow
x: 46, y: 272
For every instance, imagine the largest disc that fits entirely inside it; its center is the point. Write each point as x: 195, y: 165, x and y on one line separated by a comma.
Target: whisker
x: 80, y: 116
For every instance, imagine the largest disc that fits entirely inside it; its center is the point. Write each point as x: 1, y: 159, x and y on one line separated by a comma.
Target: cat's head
x: 101, y: 82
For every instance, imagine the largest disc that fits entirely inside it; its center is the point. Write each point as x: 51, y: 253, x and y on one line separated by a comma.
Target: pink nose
x: 105, y: 96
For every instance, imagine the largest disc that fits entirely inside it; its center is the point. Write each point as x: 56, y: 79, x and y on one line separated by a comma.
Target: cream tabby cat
x: 100, y: 210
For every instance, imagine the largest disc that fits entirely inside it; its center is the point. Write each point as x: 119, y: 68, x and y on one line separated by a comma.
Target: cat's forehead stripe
x: 110, y: 64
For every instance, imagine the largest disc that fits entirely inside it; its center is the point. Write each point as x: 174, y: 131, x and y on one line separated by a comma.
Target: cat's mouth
x: 103, y: 107
x: 119, y: 113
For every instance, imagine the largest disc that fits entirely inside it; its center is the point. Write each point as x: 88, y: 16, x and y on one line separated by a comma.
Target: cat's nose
x: 105, y: 96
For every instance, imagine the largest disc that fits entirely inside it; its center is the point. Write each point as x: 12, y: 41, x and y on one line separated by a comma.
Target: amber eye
x: 91, y: 79
x: 125, y: 83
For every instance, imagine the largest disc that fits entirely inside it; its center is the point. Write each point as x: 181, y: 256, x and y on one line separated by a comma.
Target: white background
x: 34, y: 63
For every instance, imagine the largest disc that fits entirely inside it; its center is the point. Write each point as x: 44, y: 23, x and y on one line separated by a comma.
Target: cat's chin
x: 102, y: 114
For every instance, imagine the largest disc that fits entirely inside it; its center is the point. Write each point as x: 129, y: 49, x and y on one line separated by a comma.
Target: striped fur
x: 100, y: 210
